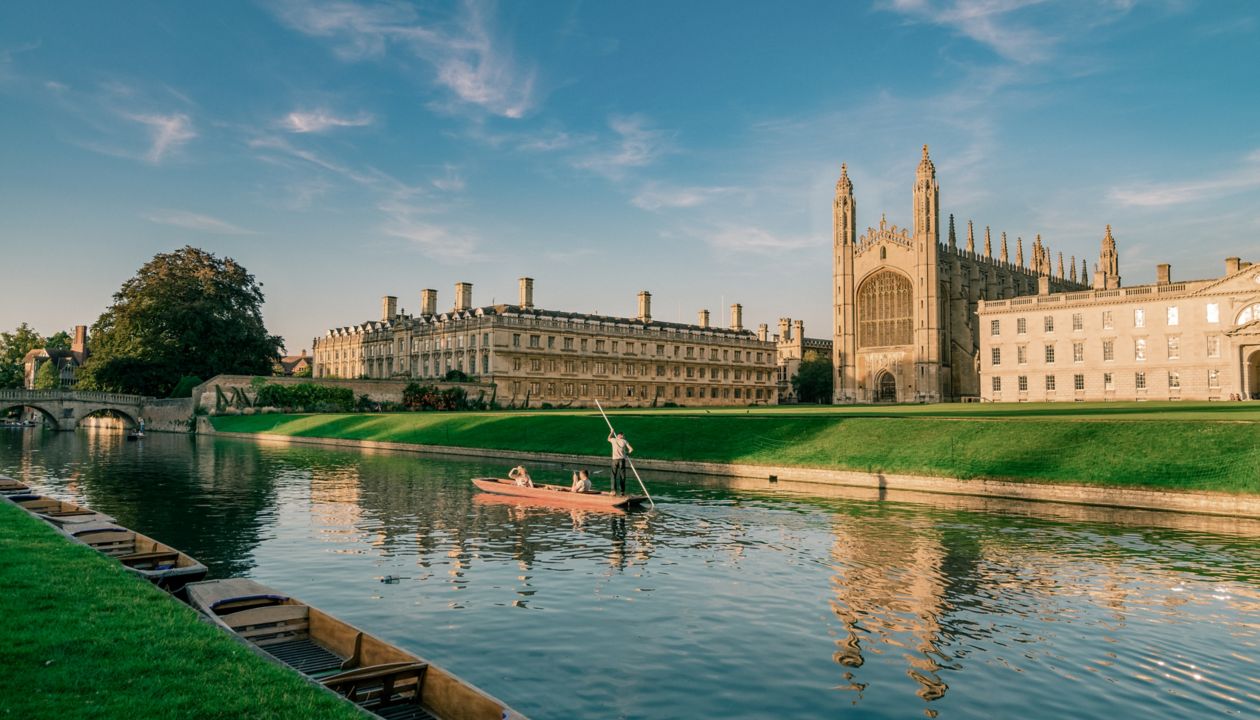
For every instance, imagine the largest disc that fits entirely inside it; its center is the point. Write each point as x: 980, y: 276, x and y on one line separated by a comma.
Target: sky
x: 343, y: 150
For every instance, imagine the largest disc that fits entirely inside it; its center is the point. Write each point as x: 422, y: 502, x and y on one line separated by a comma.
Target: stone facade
x: 905, y: 303
x: 1195, y: 340
x: 792, y: 345
x: 67, y: 362
x: 536, y: 356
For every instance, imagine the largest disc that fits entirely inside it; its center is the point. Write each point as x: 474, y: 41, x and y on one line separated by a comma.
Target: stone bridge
x: 64, y: 409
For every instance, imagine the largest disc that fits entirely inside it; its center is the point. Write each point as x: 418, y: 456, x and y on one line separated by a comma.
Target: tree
x: 13, y: 348
x: 58, y: 341
x: 813, y: 380
x: 46, y: 377
x: 184, y: 313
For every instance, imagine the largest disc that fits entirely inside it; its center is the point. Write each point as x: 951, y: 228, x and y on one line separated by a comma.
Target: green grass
x: 1167, y: 446
x: 85, y: 638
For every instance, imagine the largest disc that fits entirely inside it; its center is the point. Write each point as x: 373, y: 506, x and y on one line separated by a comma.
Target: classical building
x: 536, y: 356
x: 1194, y: 340
x: 66, y: 362
x: 905, y: 303
x: 792, y: 345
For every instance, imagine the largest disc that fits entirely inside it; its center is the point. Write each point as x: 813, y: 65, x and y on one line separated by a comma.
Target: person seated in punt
x: 581, y: 482
x: 520, y: 476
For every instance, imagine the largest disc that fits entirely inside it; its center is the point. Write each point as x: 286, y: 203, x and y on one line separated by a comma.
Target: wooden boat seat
x: 380, y: 686
x: 157, y: 560
x: 270, y: 624
x: 119, y: 542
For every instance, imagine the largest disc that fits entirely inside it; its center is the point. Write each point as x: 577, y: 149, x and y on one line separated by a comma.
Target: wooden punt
x: 8, y: 485
x: 559, y: 494
x: 376, y: 676
x: 57, y: 512
x: 160, y: 564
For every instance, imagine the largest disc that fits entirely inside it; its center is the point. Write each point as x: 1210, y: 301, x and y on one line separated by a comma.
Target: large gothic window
x: 885, y: 308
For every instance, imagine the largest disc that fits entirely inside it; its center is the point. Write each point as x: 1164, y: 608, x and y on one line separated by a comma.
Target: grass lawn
x: 1177, y: 446
x: 85, y: 638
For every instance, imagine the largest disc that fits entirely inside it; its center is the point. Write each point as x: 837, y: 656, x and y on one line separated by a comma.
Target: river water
x: 730, y: 600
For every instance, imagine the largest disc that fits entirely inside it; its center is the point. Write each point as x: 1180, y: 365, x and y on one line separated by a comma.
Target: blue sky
x: 346, y: 150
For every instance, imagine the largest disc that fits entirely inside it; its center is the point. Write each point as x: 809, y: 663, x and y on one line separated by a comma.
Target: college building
x: 905, y: 303
x: 534, y: 356
x: 1194, y: 340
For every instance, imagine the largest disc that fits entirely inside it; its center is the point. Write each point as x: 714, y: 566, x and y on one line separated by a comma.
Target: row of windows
x: 629, y: 347
x: 583, y: 390
x: 1078, y: 381
x: 1172, y: 318
x: 1140, y: 346
x: 630, y: 369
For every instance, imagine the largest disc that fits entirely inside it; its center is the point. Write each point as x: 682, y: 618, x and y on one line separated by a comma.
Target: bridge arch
x: 129, y: 420
x: 49, y: 417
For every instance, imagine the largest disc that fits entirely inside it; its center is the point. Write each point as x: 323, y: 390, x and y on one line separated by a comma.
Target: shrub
x: 307, y: 397
x: 185, y: 386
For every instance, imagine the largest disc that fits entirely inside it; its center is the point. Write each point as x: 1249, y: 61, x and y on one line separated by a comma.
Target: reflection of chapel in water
x: 905, y: 324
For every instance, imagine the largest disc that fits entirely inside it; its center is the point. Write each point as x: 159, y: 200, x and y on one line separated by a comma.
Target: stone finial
x: 1019, y: 251
x: 1072, y: 274
x: 926, y: 168
x: 1003, y: 256
x: 953, y: 241
x: 988, y: 242
x: 1060, y: 268
x: 883, y: 221
x: 971, y: 237
x: 1084, y: 271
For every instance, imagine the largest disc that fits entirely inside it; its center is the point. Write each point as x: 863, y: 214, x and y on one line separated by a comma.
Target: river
x: 729, y: 600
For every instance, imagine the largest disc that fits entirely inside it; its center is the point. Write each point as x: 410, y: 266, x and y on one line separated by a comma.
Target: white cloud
x: 755, y: 240
x: 635, y: 145
x: 315, y: 121
x: 194, y: 221
x: 985, y: 21
x: 656, y: 197
x: 1238, y: 179
x: 167, y: 133
x: 466, y: 58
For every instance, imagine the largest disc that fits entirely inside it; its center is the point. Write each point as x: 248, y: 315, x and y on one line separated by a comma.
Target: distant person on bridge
x: 620, y: 452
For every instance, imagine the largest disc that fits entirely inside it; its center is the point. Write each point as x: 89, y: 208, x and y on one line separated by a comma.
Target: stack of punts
x: 558, y: 494
x: 378, y: 677
x: 160, y: 564
x: 9, y: 486
x: 58, y: 512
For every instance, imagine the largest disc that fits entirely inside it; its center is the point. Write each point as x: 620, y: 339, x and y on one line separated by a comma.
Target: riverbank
x: 84, y: 637
x: 1172, y: 447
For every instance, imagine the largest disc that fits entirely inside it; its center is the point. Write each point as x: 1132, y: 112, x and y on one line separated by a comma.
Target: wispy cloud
x: 658, y: 197
x: 634, y: 145
x: 755, y: 240
x: 987, y: 22
x: 167, y: 133
x: 413, y: 222
x: 465, y: 56
x: 451, y: 181
x: 316, y: 121
x: 195, y: 221
x: 1244, y: 177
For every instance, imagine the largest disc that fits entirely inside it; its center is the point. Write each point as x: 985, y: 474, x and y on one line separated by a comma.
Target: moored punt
x: 9, y: 485
x: 162, y: 565
x: 58, y: 512
x: 371, y: 673
x: 559, y: 494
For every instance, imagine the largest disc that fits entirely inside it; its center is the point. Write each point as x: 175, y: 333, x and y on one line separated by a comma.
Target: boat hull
x: 160, y: 564
x: 559, y: 495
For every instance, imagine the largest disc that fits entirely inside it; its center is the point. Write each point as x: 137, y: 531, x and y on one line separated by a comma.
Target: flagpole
x: 628, y: 460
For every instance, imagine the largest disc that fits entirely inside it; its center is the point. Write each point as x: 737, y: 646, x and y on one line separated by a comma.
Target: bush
x: 306, y: 397
x: 429, y: 397
x: 185, y: 386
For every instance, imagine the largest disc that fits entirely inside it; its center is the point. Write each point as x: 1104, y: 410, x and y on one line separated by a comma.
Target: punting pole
x: 628, y: 460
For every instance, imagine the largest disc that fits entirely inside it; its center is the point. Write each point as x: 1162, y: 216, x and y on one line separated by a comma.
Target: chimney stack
x: 704, y: 318
x: 1232, y: 265
x: 785, y: 329
x: 1163, y: 274
x: 463, y: 296
x: 428, y: 302
x: 798, y: 329
x: 737, y: 317
x: 79, y: 346
x: 389, y: 307
x: 763, y: 330
x: 527, y: 292
x: 645, y: 306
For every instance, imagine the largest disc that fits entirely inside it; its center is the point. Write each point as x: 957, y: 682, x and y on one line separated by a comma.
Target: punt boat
x: 9, y: 485
x: 559, y: 494
x: 57, y: 512
x: 160, y: 564
x: 378, y: 677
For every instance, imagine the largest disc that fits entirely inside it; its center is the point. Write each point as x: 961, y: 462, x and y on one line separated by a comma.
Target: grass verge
x: 85, y: 638
x: 1108, y: 445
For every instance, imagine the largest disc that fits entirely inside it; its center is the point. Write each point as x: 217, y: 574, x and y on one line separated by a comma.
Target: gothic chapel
x: 906, y: 328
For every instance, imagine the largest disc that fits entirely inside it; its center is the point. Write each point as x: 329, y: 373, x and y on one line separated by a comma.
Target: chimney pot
x: 737, y: 317
x: 1232, y: 265
x: 527, y: 292
x: 645, y: 306
x: 428, y: 302
x: 704, y: 318
x: 463, y: 296
x: 389, y: 307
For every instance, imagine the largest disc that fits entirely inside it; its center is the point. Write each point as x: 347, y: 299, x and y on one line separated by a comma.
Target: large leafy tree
x: 184, y: 313
x: 813, y: 380
x: 13, y: 348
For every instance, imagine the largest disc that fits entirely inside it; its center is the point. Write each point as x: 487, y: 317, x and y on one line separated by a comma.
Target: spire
x: 1003, y: 256
x: 1019, y: 251
x: 988, y: 243
x: 971, y: 237
x: 926, y: 168
x: 953, y: 241
x: 1060, y: 265
x: 1084, y: 272
x: 1109, y: 260
x: 1072, y: 275
x: 843, y: 185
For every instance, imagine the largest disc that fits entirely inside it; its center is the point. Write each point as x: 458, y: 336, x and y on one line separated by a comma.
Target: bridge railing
x: 71, y: 396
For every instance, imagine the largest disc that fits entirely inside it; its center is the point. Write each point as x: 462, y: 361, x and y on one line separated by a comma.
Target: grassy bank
x: 1170, y: 446
x: 84, y: 638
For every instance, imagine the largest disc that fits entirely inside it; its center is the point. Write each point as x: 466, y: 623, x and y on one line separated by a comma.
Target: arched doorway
x: 885, y: 387
x: 1252, y: 371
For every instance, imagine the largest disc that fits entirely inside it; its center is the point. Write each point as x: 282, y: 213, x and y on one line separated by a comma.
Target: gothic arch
x: 885, y: 310
x: 885, y: 387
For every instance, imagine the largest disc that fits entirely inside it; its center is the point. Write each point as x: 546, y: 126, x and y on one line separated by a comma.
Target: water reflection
x: 732, y: 599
